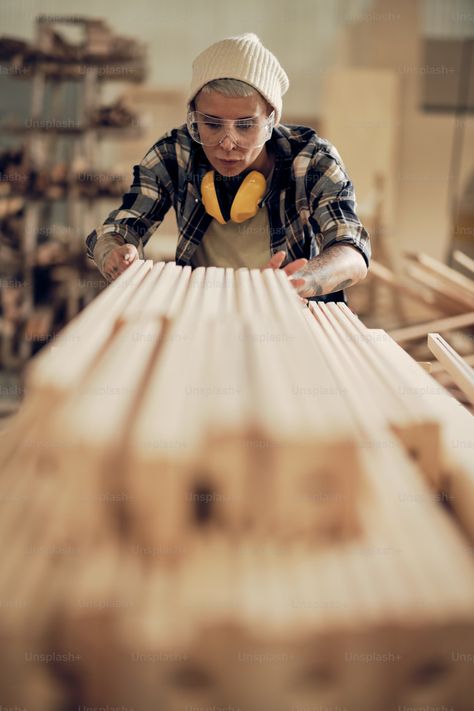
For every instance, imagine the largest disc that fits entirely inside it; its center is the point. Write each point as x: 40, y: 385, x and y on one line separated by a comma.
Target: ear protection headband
x: 245, y: 203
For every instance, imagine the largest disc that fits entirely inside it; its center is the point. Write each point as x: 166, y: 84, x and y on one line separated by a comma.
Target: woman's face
x: 227, y: 158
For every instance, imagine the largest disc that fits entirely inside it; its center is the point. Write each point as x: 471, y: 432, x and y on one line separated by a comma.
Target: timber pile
x: 440, y: 288
x: 43, y: 262
x: 446, y: 283
x: 116, y: 114
x: 233, y: 501
x: 430, y: 297
x: 17, y: 179
x: 99, y: 47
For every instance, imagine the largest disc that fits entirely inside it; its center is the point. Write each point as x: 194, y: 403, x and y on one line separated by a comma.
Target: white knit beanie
x: 243, y: 57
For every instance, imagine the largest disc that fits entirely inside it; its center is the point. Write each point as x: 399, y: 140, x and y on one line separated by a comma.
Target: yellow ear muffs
x: 245, y: 203
x: 209, y: 197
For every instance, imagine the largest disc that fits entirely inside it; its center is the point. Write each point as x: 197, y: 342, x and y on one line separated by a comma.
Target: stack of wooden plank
x: 428, y: 296
x: 233, y: 501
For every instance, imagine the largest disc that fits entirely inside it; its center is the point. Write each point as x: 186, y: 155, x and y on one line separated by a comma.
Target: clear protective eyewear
x: 250, y: 132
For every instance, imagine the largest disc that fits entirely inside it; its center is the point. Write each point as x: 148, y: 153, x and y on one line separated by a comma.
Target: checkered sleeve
x: 142, y: 210
x: 333, y: 205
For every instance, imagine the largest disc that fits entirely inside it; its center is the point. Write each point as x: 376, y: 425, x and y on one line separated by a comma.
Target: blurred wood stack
x: 99, y: 47
x: 214, y: 496
x: 57, y: 171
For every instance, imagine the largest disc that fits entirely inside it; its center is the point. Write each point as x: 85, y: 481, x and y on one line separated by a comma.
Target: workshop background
x: 391, y: 84
x: 212, y: 497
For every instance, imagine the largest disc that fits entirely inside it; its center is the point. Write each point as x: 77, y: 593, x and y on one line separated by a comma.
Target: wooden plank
x: 410, y: 333
x: 447, y: 274
x: 457, y: 430
x: 405, y: 287
x: 61, y: 364
x: 464, y: 260
x: 442, y: 287
x: 461, y: 372
x: 399, y: 410
x: 314, y: 547
x: 437, y: 367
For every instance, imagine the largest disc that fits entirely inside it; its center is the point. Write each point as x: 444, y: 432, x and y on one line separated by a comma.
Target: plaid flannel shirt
x: 311, y: 202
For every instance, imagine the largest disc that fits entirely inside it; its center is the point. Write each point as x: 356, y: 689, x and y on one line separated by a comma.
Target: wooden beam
x: 461, y: 372
x: 408, y: 289
x: 445, y: 273
x: 437, y: 367
x: 411, y: 333
x: 224, y: 471
x: 464, y: 260
x: 442, y: 288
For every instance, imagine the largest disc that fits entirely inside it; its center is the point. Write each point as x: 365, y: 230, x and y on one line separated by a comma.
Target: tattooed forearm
x: 343, y: 285
x: 334, y: 269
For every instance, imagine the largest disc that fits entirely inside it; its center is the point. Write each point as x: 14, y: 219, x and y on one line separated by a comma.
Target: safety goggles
x: 250, y: 132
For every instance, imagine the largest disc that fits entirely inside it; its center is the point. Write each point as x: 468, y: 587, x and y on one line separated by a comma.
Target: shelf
x: 108, y: 70
x: 127, y: 131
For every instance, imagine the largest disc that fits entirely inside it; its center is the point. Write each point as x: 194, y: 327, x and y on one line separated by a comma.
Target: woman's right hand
x: 277, y: 260
x: 119, y: 259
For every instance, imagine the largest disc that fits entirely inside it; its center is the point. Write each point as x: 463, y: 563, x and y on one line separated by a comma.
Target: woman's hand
x: 119, y: 259
x: 277, y: 260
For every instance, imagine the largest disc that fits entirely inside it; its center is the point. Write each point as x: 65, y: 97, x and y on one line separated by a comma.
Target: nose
x: 227, y: 143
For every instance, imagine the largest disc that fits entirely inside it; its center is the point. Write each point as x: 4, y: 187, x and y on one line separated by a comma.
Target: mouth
x: 228, y: 162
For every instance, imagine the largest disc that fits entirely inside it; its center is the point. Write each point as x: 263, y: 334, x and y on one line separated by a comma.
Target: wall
x: 301, y: 33
x: 390, y: 36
